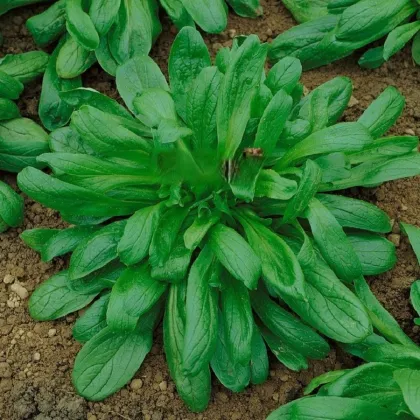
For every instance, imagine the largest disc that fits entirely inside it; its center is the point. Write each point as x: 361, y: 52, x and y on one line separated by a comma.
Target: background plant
x: 208, y: 204
x: 387, y: 385
x: 334, y: 29
x: 21, y: 139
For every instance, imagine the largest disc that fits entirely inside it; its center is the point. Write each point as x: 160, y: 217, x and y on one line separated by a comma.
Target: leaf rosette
x: 209, y: 204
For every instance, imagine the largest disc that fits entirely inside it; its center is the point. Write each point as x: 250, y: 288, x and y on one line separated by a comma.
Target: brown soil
x: 41, y: 389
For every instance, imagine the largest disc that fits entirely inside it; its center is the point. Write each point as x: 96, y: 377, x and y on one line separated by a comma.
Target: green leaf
x: 92, y: 321
x: 383, y: 112
x: 286, y: 326
x: 103, y: 14
x: 138, y: 233
x: 54, y: 112
x: 104, y: 56
x: 415, y: 296
x: 246, y: 8
x: 359, y: 349
x: 198, y: 230
x: 8, y: 109
x: 201, y: 108
x: 11, y: 206
x: 333, y: 243
x: 259, y: 358
x: 280, y: 268
x: 73, y: 59
x: 36, y: 238
x: 332, y: 408
x: 165, y: 234
x: 67, y: 140
x: 238, y: 319
x: 372, y: 59
x: 376, y: 254
x: 272, y: 122
x: 201, y: 314
x: 270, y: 184
x: 373, y: 382
x: 409, y: 381
x: 137, y: 75
x: 80, y: 25
x: 25, y: 67
x: 54, y: 298
x: 413, y: 233
x: 178, y: 13
x: 307, y: 10
x: 21, y: 141
x: 284, y: 75
x: 381, y: 319
x: 210, y: 15
x: 237, y: 90
x: 96, y: 251
x: 415, y: 52
x: 188, y: 57
x: 235, y: 255
x: 398, y: 355
x: 398, y: 37
x: 134, y: 294
x: 48, y: 26
x: 343, y: 137
x: 334, y: 166
x: 324, y: 379
x: 308, y: 186
x: 10, y: 87
x: 233, y: 376
x: 194, y: 390
x: 357, y: 214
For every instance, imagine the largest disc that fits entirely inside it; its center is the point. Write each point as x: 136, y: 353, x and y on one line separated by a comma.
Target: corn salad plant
x: 21, y: 139
x: 208, y: 204
x: 334, y: 29
x: 387, y: 385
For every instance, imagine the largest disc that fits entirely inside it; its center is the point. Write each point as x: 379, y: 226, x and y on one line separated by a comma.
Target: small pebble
x: 353, y: 102
x: 136, y: 384
x: 36, y: 357
x: 410, y: 132
x: 8, y: 279
x: 52, y: 332
x: 163, y: 386
x: 395, y: 239
x: 5, y: 370
x: 19, y: 290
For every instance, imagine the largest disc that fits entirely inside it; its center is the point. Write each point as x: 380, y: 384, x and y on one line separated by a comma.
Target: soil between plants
x: 36, y: 359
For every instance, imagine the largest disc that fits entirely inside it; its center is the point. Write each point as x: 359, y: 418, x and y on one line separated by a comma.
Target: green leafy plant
x: 6, y: 5
x: 21, y: 139
x: 209, y: 205
x: 334, y: 29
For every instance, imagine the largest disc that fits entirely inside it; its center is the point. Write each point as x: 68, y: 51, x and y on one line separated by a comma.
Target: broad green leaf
x: 398, y: 355
x: 246, y: 8
x: 383, y: 112
x: 96, y: 251
x: 376, y: 254
x: 210, y: 15
x: 294, y: 132
x: 342, y: 137
x: 284, y: 75
x: 308, y: 186
x: 373, y: 382
x: 10, y: 87
x: 201, y: 314
x: 92, y: 321
x: 413, y: 233
x: 198, y: 230
x: 87, y: 96
x: 235, y: 254
x: 188, y: 57
x: 415, y: 52
x: 138, y: 233
x: 80, y: 25
x: 233, y: 376
x: 154, y: 105
x: 54, y: 298
x: 238, y: 319
x: 381, y: 319
x: 137, y: 75
x: 194, y: 390
x: 313, y: 110
x: 307, y: 10
x: 73, y: 59
x: 356, y: 214
x: 323, y: 379
x: 287, y: 355
x: 331, y: 408
x: 134, y: 294
x: 270, y: 184
x: 48, y: 26
x: 8, y: 109
x: 272, y: 122
x: 178, y: 13
x: 259, y: 358
x: 11, y: 206
x: 409, y: 382
x: 334, y: 166
x: 237, y: 91
x: 25, y: 67
x: 259, y: 103
x: 372, y: 58
x: 54, y: 112
x: 67, y: 140
x: 165, y: 234
x: 359, y: 349
x: 333, y: 243
x: 280, y: 267
x: 201, y: 108
x: 398, y: 37
x: 21, y: 141
x: 104, y: 56
x: 415, y: 296
x: 36, y: 238
x: 103, y: 14
x: 290, y: 329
